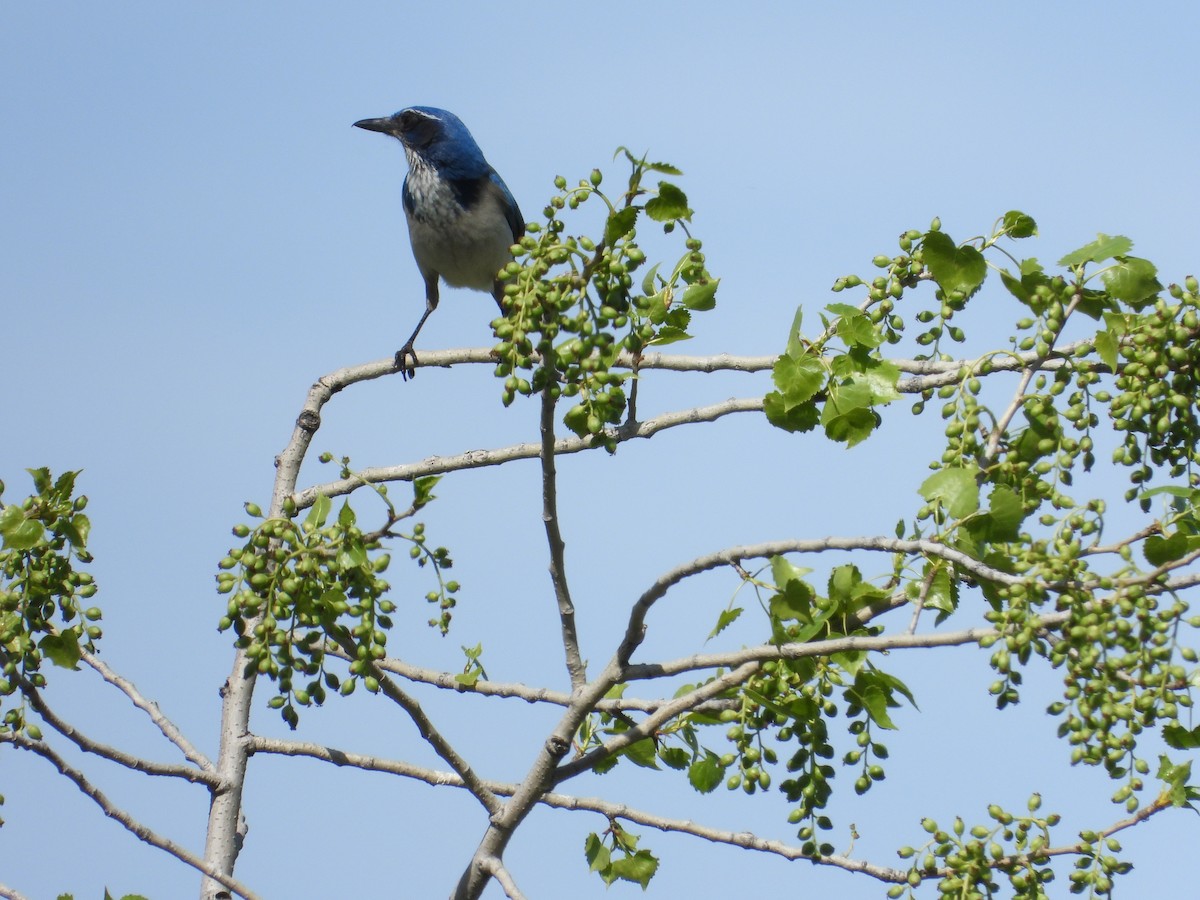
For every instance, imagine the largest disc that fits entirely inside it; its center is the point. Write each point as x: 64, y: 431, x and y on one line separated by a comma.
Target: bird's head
x: 435, y: 137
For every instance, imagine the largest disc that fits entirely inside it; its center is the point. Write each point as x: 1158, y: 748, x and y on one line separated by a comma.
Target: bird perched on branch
x: 462, y: 218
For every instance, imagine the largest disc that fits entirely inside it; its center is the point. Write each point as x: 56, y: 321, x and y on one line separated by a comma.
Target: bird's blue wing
x: 512, y: 212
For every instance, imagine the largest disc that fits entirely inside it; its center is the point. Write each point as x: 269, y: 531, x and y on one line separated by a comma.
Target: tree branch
x: 168, y: 728
x: 9, y: 894
x: 558, y: 566
x: 88, y: 745
x: 142, y: 832
x: 475, y: 459
x: 513, y: 690
x: 494, y: 867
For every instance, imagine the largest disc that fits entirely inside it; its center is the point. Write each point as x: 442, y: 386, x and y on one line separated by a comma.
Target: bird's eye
x: 418, y: 130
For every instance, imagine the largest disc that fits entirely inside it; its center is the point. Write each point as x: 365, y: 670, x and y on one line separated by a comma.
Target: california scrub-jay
x: 462, y: 218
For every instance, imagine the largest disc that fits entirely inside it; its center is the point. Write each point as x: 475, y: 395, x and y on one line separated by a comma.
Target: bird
x: 462, y: 218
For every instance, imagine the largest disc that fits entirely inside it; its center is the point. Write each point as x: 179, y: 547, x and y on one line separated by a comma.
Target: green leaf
x: 1002, y: 521
x: 943, y: 590
x: 956, y: 489
x: 648, y: 280
x: 637, y: 867
x: 1181, y: 738
x: 953, y: 268
x: 619, y: 224
x: 669, y: 334
x: 662, y: 168
x: 423, y: 490
x: 319, y: 512
x: 727, y: 618
x: 701, y: 296
x: 596, y: 853
x: 1018, y: 225
x: 20, y: 533
x: 1176, y: 778
x: 346, y: 516
x: 1104, y: 247
x: 669, y: 205
x: 1160, y: 550
x: 78, y: 529
x: 642, y: 753
x: 791, y: 418
x: 674, y: 757
x: 1106, y: 346
x: 468, y: 679
x: 856, y: 330
x: 798, y: 377
x: 847, y: 414
x: 1132, y: 280
x: 706, y: 773
x: 62, y: 649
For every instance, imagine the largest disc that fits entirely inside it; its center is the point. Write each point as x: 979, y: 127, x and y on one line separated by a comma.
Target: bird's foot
x: 406, y: 362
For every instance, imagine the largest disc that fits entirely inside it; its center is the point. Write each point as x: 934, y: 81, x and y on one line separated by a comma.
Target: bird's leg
x: 406, y: 357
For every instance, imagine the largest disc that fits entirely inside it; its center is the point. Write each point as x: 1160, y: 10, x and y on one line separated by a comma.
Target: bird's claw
x: 406, y: 362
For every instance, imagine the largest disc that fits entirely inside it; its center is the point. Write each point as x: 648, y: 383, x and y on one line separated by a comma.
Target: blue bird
x: 462, y: 218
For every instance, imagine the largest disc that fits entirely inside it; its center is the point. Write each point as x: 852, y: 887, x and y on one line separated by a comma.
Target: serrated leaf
x: 669, y: 205
x: 847, y: 414
x: 319, y: 512
x: 727, y: 618
x: 619, y: 224
x: 674, y: 757
x: 1106, y: 346
x: 346, y: 515
x: 596, y: 852
x: 701, y: 296
x: 942, y: 594
x: 1005, y: 514
x: 648, y: 284
x: 953, y: 268
x: 1018, y: 225
x: 1104, y: 247
x: 955, y: 488
x: 423, y: 490
x: 662, y: 168
x: 642, y: 753
x: 637, y: 867
x: 19, y: 532
x: 706, y: 773
x: 856, y: 330
x: 1160, y: 550
x: 467, y: 679
x: 790, y: 417
x: 62, y: 649
x: 78, y: 529
x: 798, y: 377
x: 1180, y: 738
x: 669, y: 334
x: 1132, y: 279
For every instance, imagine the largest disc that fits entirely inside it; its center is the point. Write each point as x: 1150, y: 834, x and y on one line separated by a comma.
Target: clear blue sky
x: 192, y: 233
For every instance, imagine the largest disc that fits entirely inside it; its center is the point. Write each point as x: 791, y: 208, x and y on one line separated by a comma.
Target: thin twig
x: 89, y: 745
x: 475, y: 459
x: 168, y: 728
x: 127, y: 821
x: 554, y: 539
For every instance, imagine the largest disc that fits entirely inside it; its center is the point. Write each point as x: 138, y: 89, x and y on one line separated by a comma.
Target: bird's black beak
x: 383, y: 126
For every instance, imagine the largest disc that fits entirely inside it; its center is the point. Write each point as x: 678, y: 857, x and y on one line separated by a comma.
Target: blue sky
x: 193, y: 232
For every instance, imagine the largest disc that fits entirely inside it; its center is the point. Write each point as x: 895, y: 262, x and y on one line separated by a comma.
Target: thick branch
x: 123, y: 818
